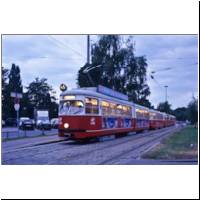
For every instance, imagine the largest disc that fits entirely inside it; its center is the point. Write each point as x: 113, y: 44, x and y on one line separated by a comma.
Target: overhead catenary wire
x: 180, y: 58
x: 24, y: 58
x: 59, y: 44
x: 62, y: 44
x: 153, y: 78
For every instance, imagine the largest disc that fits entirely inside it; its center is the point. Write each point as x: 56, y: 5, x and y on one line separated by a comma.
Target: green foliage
x: 181, y: 145
x: 4, y: 94
x: 192, y: 111
x: 39, y: 96
x: 14, y: 85
x: 39, y: 93
x: 120, y: 69
x: 165, y: 107
x: 4, y: 73
x: 181, y: 114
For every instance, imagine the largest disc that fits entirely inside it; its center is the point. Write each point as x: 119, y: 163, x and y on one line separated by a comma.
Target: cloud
x: 59, y: 57
x: 52, y: 57
x: 180, y: 54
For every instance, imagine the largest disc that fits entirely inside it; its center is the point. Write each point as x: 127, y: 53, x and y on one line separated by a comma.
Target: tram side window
x: 139, y: 114
x: 91, y: 106
x: 146, y: 114
x: 112, y: 110
x: 160, y: 116
x: 127, y: 111
x: 124, y: 110
x: 105, y: 108
x: 152, y: 116
x: 119, y: 111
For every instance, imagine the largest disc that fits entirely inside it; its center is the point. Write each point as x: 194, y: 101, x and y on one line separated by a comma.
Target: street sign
x: 15, y: 94
x: 17, y: 106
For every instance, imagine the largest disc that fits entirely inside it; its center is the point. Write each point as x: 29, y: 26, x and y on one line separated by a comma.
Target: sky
x: 173, y: 58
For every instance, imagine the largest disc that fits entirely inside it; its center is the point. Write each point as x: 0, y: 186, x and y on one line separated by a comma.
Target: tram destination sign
x: 112, y: 93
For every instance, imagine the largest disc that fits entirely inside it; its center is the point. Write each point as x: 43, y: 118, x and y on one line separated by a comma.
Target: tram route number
x: 92, y: 121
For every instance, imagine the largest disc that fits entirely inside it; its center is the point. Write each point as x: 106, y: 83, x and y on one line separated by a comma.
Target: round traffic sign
x: 17, y: 106
x: 63, y: 87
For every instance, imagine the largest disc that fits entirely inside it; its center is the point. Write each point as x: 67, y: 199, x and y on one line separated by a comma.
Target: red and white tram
x: 141, y: 118
x: 93, y: 112
x: 156, y: 119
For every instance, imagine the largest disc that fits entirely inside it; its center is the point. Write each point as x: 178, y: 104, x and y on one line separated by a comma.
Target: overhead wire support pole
x: 88, y: 60
x: 88, y: 49
x: 152, y: 77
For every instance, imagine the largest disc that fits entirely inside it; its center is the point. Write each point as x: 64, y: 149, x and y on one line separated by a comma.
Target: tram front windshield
x: 71, y: 107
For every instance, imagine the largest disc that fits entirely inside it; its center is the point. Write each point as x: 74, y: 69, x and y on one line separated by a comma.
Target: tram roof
x: 156, y: 111
x: 93, y: 93
x: 139, y: 106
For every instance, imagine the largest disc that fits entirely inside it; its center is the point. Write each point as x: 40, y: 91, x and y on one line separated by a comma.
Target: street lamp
x: 166, y: 92
x: 152, y: 77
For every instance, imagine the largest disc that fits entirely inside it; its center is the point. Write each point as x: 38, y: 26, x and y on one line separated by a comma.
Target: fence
x: 16, y: 134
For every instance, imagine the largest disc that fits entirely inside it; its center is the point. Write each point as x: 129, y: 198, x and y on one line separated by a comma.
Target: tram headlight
x: 66, y: 125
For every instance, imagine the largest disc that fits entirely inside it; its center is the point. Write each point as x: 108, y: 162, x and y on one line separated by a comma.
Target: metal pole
x: 166, y: 93
x: 18, y: 121
x: 88, y: 49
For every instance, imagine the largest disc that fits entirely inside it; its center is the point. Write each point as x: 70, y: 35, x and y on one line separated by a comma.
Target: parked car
x: 3, y: 123
x: 11, y: 122
x: 26, y: 123
x: 54, y: 123
x: 43, y: 123
x: 33, y: 121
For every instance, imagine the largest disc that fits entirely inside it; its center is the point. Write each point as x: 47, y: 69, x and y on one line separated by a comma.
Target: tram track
x: 73, y: 152
x: 104, y: 145
x: 145, y: 145
x: 76, y: 157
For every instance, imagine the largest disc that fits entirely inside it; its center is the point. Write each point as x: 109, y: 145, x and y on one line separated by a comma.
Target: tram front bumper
x: 70, y: 132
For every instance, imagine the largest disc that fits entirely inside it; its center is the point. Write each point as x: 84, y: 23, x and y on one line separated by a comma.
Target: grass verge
x: 180, y: 145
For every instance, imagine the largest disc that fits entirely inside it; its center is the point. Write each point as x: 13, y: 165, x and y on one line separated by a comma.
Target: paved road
x: 13, y: 133
x: 55, y: 151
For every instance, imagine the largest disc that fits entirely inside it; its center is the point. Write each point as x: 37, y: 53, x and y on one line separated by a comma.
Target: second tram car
x: 156, y: 119
x: 93, y: 112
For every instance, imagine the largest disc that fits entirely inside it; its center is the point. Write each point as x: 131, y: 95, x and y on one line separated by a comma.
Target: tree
x: 192, y: 111
x: 181, y: 114
x: 120, y: 70
x: 26, y: 109
x: 14, y: 85
x: 39, y: 96
x: 53, y: 111
x: 135, y: 76
x: 105, y: 53
x: 165, y: 107
x: 4, y: 94
x: 4, y: 77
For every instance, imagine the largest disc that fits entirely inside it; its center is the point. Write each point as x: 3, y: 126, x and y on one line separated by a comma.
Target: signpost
x: 17, y: 97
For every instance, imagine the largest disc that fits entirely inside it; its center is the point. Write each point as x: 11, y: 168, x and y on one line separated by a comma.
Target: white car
x: 54, y: 123
x: 3, y: 123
